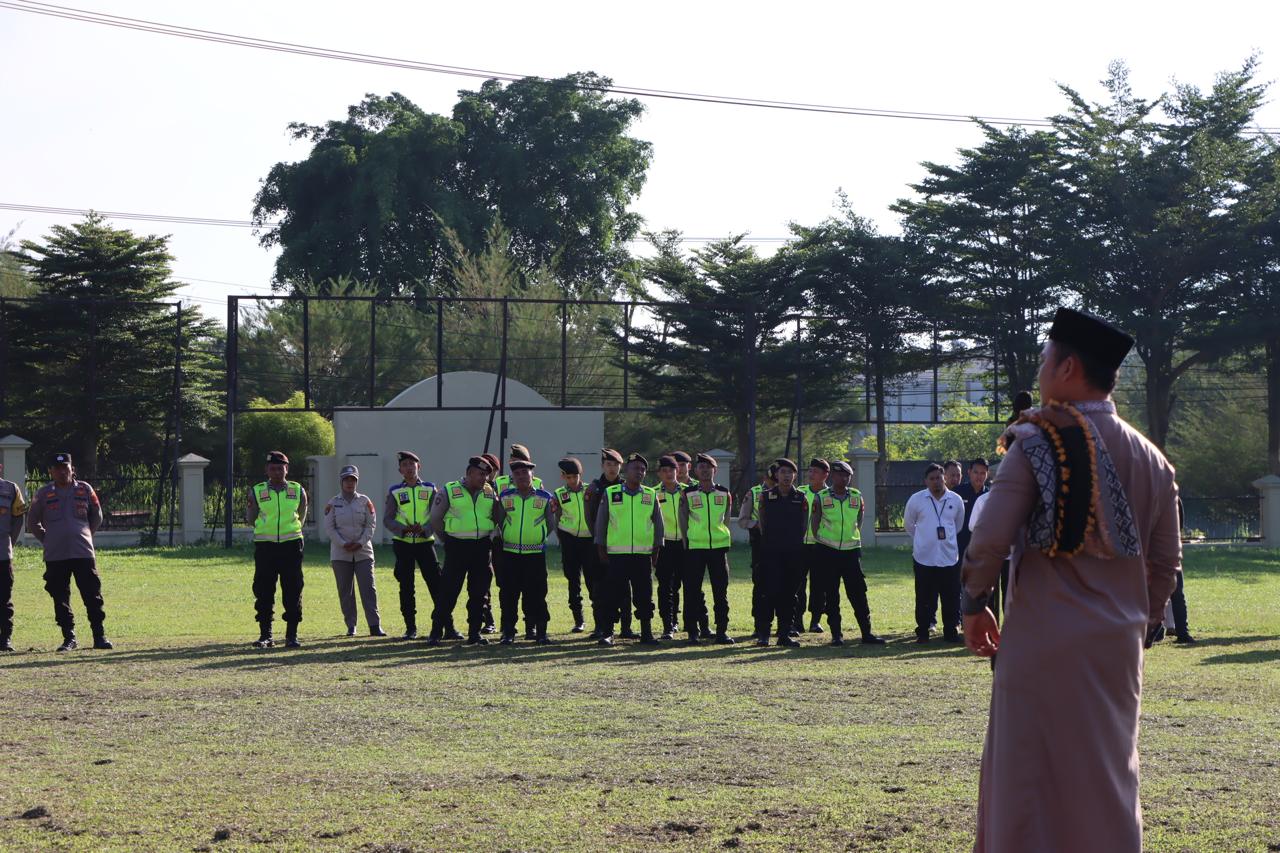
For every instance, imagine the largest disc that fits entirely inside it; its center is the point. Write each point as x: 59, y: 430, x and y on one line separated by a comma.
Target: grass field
x: 184, y: 738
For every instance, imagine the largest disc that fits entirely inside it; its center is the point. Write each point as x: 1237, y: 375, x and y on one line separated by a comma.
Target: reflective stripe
x: 524, y: 527
x: 706, y: 527
x: 630, y: 531
x: 573, y: 512
x: 416, y: 510
x: 838, y: 528
x: 670, y: 503
x: 468, y: 517
x: 277, y: 519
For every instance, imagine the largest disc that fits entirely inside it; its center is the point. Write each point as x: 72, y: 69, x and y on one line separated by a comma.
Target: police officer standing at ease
x: 277, y: 508
x: 628, y: 538
x: 12, y: 509
x: 573, y: 530
x: 704, y: 525
x: 836, y: 523
x: 462, y: 516
x: 64, y: 515
x: 408, y: 516
x: 783, y: 518
x: 524, y: 514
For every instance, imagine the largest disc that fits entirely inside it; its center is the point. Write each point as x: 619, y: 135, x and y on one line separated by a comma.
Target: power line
x: 141, y: 25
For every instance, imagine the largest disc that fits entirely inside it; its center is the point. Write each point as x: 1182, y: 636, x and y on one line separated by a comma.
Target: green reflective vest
x: 841, y: 522
x: 504, y: 482
x: 630, y: 520
x: 807, y: 491
x: 754, y: 497
x: 277, y: 519
x: 573, y: 512
x: 670, y: 504
x: 468, y: 517
x: 706, y: 527
x: 413, y: 506
x: 524, y: 523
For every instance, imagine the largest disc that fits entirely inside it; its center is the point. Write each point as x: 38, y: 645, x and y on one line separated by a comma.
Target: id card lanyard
x: 942, y: 531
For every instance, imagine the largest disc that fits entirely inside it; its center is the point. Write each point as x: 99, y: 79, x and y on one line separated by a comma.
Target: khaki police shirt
x: 64, y: 520
x: 12, y: 509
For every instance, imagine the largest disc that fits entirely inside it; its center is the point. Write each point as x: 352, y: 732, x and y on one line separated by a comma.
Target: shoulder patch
x: 328, y: 508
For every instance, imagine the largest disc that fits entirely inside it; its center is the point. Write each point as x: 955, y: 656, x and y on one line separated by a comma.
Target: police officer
x: 495, y: 471
x: 64, y: 515
x: 628, y: 540
x: 683, y: 463
x: 462, y: 516
x: 783, y: 518
x: 670, y: 568
x: 519, y: 453
x: 277, y: 508
x: 350, y: 519
x: 748, y: 519
x: 407, y: 514
x: 523, y: 515
x: 819, y: 470
x: 573, y: 530
x: 836, y: 524
x: 610, y: 475
x: 704, y: 525
x: 12, y: 510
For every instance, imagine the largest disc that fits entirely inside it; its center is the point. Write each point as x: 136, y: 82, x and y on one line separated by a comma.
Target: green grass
x: 184, y: 738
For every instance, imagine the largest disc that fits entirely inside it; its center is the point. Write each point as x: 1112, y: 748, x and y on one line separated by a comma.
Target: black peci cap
x: 1092, y: 335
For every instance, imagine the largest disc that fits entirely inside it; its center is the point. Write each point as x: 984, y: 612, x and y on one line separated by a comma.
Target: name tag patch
x: 616, y: 498
x: 403, y: 497
x: 647, y: 498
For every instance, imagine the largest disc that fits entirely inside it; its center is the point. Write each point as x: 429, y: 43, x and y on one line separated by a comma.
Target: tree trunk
x: 1159, y: 399
x: 882, y: 461
x: 746, y: 471
x: 1273, y: 404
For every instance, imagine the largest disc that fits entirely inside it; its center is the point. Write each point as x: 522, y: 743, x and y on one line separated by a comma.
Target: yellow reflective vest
x: 413, y: 506
x: 573, y: 512
x: 524, y: 521
x: 468, y: 517
x: 841, y: 521
x: 630, y: 520
x: 278, y: 519
x: 706, y: 527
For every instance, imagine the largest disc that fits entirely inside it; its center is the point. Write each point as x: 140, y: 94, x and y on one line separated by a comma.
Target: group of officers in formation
x: 615, y: 534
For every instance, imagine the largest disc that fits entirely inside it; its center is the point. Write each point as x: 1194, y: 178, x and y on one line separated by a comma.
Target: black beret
x: 494, y: 463
x: 276, y: 457
x: 667, y: 461
x: 61, y: 458
x: 570, y: 465
x: 611, y: 455
x: 519, y: 451
x: 522, y: 463
x: 681, y: 456
x: 773, y: 469
x: 402, y: 455
x: 710, y: 460
x: 1091, y: 335
x: 841, y: 465
x: 785, y: 463
x: 636, y: 457
x: 479, y: 462
x: 819, y: 462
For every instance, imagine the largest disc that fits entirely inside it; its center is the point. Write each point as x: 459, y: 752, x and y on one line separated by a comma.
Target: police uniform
x: 670, y: 568
x: 816, y: 602
x: 836, y: 524
x: 502, y: 482
x: 573, y: 531
x: 749, y: 519
x: 523, y: 521
x: 597, y: 571
x: 12, y: 510
x: 683, y: 462
x: 704, y: 526
x: 629, y: 528
x: 783, y: 520
x: 277, y: 513
x: 487, y: 625
x: 465, y: 520
x: 351, y: 522
x: 407, y: 514
x: 64, y: 519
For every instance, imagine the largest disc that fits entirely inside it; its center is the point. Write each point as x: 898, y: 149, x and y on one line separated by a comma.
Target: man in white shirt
x: 932, y: 519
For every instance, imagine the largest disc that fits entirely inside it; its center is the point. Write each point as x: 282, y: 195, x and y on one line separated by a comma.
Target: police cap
x: 495, y: 464
x: 570, y: 465
x: 840, y: 465
x: 786, y: 463
x: 517, y: 464
x: 668, y: 461
x: 710, y: 460
x: 681, y: 456
x: 608, y: 454
x: 520, y: 452
x: 349, y: 471
x: 277, y: 457
x: 479, y: 462
x: 819, y: 462
x: 402, y: 455
x: 636, y: 457
x: 60, y: 458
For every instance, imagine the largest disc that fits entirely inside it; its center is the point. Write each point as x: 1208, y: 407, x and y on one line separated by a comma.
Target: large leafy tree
x: 96, y: 348
x: 378, y: 191
x: 991, y: 226
x: 1150, y: 185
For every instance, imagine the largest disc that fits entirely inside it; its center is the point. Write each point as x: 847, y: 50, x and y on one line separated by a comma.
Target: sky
x: 119, y: 120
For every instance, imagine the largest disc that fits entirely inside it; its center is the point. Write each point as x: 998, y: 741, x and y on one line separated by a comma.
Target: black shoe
x: 605, y: 640
x: 705, y: 633
x: 789, y: 642
x: 872, y: 640
x: 595, y: 635
x: 100, y: 641
x: 667, y: 634
x: 410, y: 634
x: 530, y: 634
x: 763, y: 642
x: 836, y: 641
x: 724, y: 639
x: 953, y: 638
x: 543, y: 640
x: 628, y: 634
x: 1184, y: 637
x: 351, y: 632
x: 814, y: 627
x: 292, y: 643
x: 264, y: 642
x: 507, y: 639
x: 578, y: 627
x: 793, y: 633
x: 693, y: 638
x: 432, y: 641
x: 922, y: 639
x: 68, y: 643
x: 377, y: 632
x: 488, y: 628
x: 477, y: 641
x: 6, y: 645
x: 455, y: 634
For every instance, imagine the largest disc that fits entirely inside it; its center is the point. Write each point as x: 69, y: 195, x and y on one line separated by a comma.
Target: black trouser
x: 934, y: 583
x: 6, y: 599
x: 283, y: 560
x: 1179, y: 602
x: 670, y: 571
x: 603, y: 595
x: 714, y: 563
x: 844, y: 567
x: 1000, y: 593
x: 781, y: 572
x: 422, y: 556
x: 630, y: 580
x: 818, y: 583
x: 525, y: 579
x: 466, y: 561
x: 576, y: 552
x: 759, y: 595
x: 806, y: 569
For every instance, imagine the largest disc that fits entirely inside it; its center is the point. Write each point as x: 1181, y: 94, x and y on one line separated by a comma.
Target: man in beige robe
x: 1060, y: 765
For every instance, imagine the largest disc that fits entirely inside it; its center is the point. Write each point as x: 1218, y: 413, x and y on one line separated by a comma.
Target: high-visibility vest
x: 573, y: 512
x: 756, y: 491
x: 524, y: 524
x: 413, y: 506
x: 808, y: 495
x: 278, y: 519
x: 706, y: 527
x: 467, y: 517
x: 841, y: 522
x: 630, y: 520
x: 670, y: 504
x: 503, y: 482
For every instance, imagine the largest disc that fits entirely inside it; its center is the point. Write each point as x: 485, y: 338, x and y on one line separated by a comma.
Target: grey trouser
x: 347, y: 573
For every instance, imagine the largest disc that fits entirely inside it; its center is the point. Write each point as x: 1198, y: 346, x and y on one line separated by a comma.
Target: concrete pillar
x: 724, y: 462
x: 1269, y: 509
x: 13, y: 455
x: 191, y: 497
x: 864, y: 480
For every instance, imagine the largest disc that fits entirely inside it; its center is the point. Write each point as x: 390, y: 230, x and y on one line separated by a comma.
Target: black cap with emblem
x: 277, y: 457
x: 60, y: 458
x: 570, y: 465
x: 819, y: 462
x: 636, y: 457
x: 786, y: 463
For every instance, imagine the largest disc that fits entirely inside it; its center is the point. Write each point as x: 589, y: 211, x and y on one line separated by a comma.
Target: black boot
x: 100, y: 640
x: 6, y: 644
x: 722, y: 635
x: 785, y: 639
x: 668, y: 630
x: 578, y: 624
x: 410, y: 630
x: 476, y: 640
x: 646, y: 634
x: 452, y: 633
x: 836, y: 639
x: 68, y: 640
x: 508, y: 637
x: 704, y: 629
x: 815, y: 627
x: 530, y: 632
x: 291, y: 636
x: 626, y: 633
x: 540, y: 635
x: 869, y: 638
x: 265, y: 640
